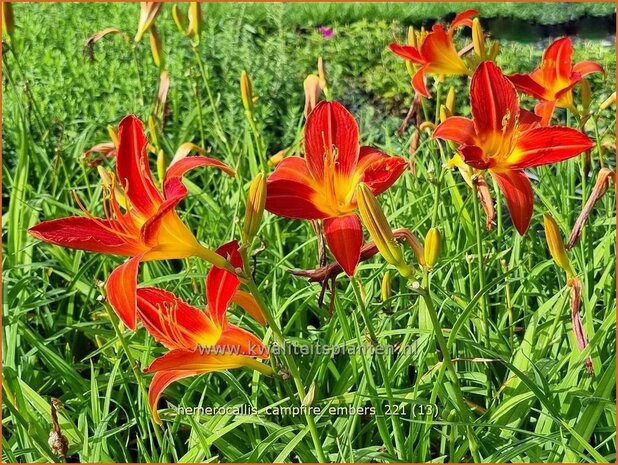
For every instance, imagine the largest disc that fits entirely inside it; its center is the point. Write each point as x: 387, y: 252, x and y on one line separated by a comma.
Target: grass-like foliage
x: 490, y: 345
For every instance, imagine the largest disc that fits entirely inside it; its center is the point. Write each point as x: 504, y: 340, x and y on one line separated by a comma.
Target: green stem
x: 211, y: 101
x: 289, y: 360
x: 396, y: 421
x: 464, y: 411
x: 134, y: 367
x: 139, y: 75
x: 482, y: 300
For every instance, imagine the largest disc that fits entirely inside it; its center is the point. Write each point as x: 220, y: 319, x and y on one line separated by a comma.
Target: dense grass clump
x: 502, y: 302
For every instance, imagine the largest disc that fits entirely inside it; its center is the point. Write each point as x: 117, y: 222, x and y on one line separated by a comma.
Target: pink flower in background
x: 327, y: 32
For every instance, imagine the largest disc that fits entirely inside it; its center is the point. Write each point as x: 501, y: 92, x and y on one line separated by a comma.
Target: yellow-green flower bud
x: 256, y: 199
x: 379, y: 229
x: 433, y: 246
x: 556, y: 245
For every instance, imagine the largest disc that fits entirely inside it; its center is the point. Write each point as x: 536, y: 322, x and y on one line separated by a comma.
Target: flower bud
x: 152, y: 128
x: 495, y: 49
x: 478, y: 39
x: 385, y: 289
x: 105, y: 176
x: 246, y: 91
x: 195, y: 21
x: 433, y: 246
x: 277, y: 157
x: 256, y: 199
x: 556, y: 246
x: 179, y: 20
x: 8, y: 20
x: 450, y: 100
x: 379, y: 229
x: 161, y: 165
x: 113, y: 135
x: 310, y: 396
x: 155, y: 47
x: 609, y: 101
x: 411, y: 37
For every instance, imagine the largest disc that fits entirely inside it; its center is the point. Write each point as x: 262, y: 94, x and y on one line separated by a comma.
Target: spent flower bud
x: 148, y: 13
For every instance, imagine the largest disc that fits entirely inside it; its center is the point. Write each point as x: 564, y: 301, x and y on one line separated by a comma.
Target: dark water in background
x: 527, y: 31
x: 588, y: 27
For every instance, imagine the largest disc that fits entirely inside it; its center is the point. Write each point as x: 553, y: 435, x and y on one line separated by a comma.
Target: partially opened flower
x: 200, y: 341
x: 553, y: 81
x: 322, y: 185
x: 143, y: 224
x: 505, y: 140
x: 435, y: 53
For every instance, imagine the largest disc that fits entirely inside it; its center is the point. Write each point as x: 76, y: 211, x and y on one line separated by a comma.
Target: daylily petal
x: 493, y: 98
x: 132, y: 166
x: 91, y: 234
x: 378, y: 170
x: 121, y: 289
x: 556, y: 64
x: 238, y: 341
x: 248, y: 303
x: 167, y: 234
x: 545, y: 111
x: 440, y: 54
x: 418, y: 82
x: 173, y: 322
x: 585, y: 68
x: 541, y: 146
x: 331, y: 137
x: 408, y: 52
x: 517, y: 191
x: 221, y: 284
x: 456, y: 129
x: 527, y: 85
x: 160, y: 381
x: 344, y: 236
x: 177, y: 170
x: 181, y: 363
x: 290, y: 191
x: 528, y: 120
x: 473, y: 155
x: 462, y: 19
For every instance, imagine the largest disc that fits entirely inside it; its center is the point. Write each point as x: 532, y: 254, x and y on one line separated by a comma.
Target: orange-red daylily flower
x: 147, y: 229
x: 322, y: 185
x: 435, y: 52
x: 553, y: 81
x: 200, y: 341
x: 505, y: 139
